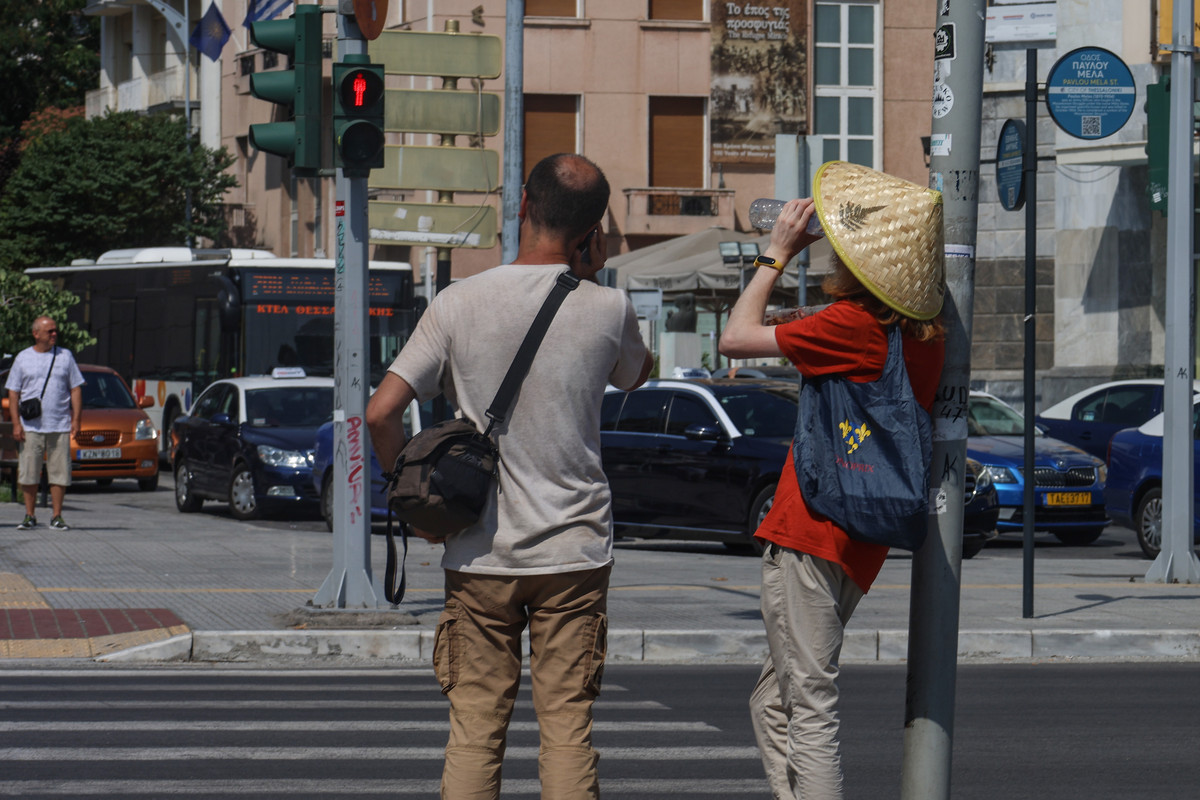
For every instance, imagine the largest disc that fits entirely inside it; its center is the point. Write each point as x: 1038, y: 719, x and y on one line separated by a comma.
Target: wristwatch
x: 767, y: 261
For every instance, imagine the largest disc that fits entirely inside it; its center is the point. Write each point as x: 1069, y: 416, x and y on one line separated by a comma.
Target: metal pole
x: 514, y: 126
x: 350, y: 583
x: 933, y: 611
x: 1029, y: 167
x: 1176, y: 561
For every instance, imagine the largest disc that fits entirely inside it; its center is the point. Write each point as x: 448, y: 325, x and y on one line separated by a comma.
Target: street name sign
x: 443, y: 55
x: 1090, y: 93
x: 450, y: 169
x: 437, y: 224
x: 446, y: 111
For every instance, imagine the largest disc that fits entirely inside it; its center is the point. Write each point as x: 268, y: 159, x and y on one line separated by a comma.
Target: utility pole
x: 514, y: 127
x: 1176, y: 561
x: 936, y: 571
x: 350, y: 583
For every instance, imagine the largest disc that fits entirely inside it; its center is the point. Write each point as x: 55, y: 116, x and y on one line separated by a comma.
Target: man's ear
x: 522, y: 210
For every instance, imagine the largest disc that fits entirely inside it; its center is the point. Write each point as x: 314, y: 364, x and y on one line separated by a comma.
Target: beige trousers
x: 806, y: 603
x: 477, y: 658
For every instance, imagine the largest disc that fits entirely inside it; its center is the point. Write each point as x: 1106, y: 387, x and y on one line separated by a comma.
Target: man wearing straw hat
x: 887, y: 237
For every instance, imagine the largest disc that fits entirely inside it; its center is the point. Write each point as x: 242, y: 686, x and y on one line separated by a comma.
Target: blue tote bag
x: 862, y: 453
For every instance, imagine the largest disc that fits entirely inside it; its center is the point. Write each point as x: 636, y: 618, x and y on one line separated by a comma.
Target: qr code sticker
x: 1089, y: 126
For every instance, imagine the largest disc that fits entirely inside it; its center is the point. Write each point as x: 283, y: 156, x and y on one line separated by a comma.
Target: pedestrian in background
x: 541, y: 552
x: 887, y: 237
x: 48, y: 373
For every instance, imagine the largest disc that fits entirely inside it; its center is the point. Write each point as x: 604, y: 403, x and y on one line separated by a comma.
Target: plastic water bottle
x: 764, y: 211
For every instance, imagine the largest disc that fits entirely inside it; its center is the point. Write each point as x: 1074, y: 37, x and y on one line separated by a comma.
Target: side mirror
x: 145, y: 401
x: 703, y: 433
x: 221, y: 419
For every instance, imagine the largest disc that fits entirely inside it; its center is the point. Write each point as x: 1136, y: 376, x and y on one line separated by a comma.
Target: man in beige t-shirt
x: 541, y: 553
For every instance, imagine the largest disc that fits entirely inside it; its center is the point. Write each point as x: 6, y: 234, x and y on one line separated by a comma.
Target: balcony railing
x: 667, y: 211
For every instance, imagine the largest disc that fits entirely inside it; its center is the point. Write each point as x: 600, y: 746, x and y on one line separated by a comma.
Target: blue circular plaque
x: 1090, y: 93
x: 1010, y: 169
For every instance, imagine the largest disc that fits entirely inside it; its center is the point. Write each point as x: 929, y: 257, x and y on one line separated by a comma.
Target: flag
x: 211, y: 33
x: 259, y: 10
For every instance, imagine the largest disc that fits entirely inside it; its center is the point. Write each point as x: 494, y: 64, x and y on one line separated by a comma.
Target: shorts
x: 55, y: 448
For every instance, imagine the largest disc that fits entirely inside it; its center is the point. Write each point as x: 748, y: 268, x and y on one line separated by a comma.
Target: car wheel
x: 185, y: 496
x: 148, y: 484
x: 103, y: 482
x: 327, y: 499
x: 972, y: 547
x: 758, y: 512
x: 1148, y: 523
x: 1079, y: 538
x: 242, y: 503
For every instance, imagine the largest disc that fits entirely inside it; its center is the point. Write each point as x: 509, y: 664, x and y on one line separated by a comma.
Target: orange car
x: 116, y: 438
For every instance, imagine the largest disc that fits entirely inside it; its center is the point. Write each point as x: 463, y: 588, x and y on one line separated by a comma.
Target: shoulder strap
x: 498, y: 410
x: 53, y: 358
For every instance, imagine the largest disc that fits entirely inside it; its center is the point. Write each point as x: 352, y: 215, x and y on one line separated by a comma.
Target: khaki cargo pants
x: 477, y: 658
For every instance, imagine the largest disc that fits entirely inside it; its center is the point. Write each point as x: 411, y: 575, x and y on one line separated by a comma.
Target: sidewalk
x: 136, y: 580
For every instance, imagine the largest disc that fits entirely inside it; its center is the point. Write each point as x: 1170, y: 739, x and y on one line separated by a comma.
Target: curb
x: 666, y: 646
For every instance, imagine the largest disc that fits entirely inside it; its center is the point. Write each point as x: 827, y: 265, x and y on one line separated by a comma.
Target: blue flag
x: 211, y: 33
x: 259, y: 10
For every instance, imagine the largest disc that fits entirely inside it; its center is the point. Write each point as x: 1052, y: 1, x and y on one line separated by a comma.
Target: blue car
x: 249, y: 443
x: 322, y: 471
x: 1133, y: 494
x: 1069, y: 487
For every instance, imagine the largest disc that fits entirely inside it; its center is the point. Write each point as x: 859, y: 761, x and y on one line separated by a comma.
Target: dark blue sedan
x: 249, y: 443
x: 696, y: 459
x: 1069, y: 483
x: 1133, y: 494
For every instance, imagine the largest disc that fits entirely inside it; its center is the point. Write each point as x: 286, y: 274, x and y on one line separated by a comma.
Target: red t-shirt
x: 847, y: 340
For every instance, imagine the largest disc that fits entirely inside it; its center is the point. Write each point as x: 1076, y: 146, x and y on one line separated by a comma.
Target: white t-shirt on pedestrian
x: 27, y: 375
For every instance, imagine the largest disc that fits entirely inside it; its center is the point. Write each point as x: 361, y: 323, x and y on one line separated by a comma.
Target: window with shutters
x: 550, y: 8
x: 846, y: 77
x: 551, y: 126
x: 676, y: 9
x: 677, y: 127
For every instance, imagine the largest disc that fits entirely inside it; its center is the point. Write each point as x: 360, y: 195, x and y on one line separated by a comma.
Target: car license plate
x: 1068, y: 498
x: 95, y: 454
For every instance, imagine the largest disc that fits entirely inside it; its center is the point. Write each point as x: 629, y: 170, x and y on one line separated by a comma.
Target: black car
x: 249, y: 442
x: 699, y: 460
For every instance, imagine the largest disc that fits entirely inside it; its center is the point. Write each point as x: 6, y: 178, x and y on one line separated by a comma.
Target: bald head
x: 567, y: 194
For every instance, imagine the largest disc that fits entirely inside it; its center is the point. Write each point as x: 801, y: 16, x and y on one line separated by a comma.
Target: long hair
x: 840, y: 284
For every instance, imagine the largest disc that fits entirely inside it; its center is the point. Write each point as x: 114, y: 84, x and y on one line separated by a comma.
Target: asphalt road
x: 1063, y: 731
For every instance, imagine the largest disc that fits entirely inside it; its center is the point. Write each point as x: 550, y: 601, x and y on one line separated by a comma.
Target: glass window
x: 290, y: 406
x: 827, y: 115
x: 551, y: 124
x: 846, y: 77
x: 988, y: 417
x: 643, y: 411
x: 676, y: 9
x: 828, y: 66
x: 860, y: 119
x: 828, y: 27
x: 105, y: 390
x: 209, y: 402
x: 677, y: 150
x: 860, y: 67
x: 1126, y: 405
x: 686, y: 411
x: 861, y: 27
x: 610, y: 410
x: 550, y: 8
x: 768, y: 413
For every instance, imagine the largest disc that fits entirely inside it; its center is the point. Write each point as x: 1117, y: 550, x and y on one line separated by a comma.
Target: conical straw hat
x: 888, y: 232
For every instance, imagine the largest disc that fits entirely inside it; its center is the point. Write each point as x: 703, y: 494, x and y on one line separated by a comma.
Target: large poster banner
x: 759, y: 78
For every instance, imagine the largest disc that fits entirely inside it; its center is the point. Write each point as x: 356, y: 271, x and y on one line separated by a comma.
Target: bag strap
x: 48, y: 372
x: 393, y: 589
x: 502, y: 402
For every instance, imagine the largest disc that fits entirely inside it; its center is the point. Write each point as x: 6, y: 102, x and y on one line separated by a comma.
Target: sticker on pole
x: 1010, y: 165
x: 1090, y: 93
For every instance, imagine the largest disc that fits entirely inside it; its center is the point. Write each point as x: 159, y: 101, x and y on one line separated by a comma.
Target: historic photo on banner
x: 760, y: 78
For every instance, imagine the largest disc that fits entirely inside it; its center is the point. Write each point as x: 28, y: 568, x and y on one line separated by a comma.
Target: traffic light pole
x: 350, y: 583
x: 937, y: 566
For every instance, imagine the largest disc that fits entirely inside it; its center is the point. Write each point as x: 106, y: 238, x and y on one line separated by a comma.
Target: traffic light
x: 1158, y: 119
x: 298, y: 87
x: 357, y: 116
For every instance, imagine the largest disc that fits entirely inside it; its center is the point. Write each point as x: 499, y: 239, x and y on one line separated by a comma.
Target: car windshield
x: 990, y: 417
x: 105, y: 390
x: 289, y: 407
x: 767, y: 412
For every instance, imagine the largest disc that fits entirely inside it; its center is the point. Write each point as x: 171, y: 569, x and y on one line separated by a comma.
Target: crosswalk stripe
x: 396, y: 788
x: 365, y: 726
x: 314, y: 688
x: 291, y: 705
x: 113, y: 754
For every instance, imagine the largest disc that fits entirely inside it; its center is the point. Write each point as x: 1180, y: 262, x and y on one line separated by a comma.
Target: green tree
x: 22, y: 300
x: 49, y: 56
x: 115, y: 181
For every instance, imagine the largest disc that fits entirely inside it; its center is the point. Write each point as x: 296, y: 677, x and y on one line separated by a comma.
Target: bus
x: 171, y: 320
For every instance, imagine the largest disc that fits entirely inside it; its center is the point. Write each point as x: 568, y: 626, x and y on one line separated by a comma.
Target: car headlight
x: 277, y: 457
x: 145, y: 430
x: 983, y: 481
x: 1000, y: 474
x: 1102, y: 473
